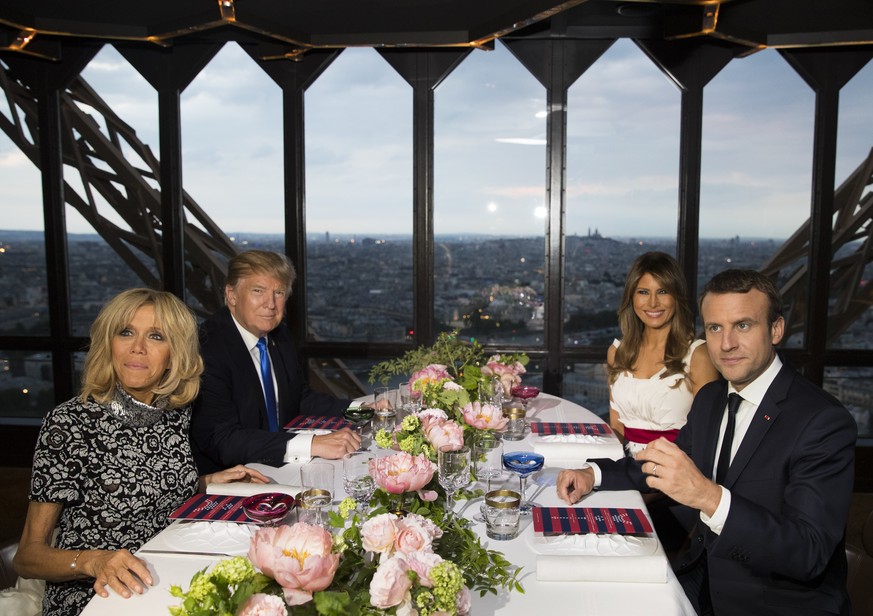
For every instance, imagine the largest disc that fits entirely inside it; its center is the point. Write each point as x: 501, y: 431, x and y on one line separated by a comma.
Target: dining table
x: 566, y: 574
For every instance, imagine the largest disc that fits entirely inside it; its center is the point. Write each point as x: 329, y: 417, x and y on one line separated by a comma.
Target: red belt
x: 638, y: 435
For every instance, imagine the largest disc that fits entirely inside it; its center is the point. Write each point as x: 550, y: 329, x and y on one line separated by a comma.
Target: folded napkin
x: 250, y: 489
x: 599, y: 558
x: 559, y: 448
x: 222, y: 538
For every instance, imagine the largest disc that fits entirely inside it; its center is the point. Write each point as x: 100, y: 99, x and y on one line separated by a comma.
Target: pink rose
x: 298, y: 557
x: 402, y: 472
x: 464, y: 602
x: 422, y: 563
x: 390, y: 583
x: 260, y: 604
x: 412, y: 536
x: 484, y: 416
x: 445, y: 434
x: 432, y: 529
x: 379, y: 532
x: 509, y: 375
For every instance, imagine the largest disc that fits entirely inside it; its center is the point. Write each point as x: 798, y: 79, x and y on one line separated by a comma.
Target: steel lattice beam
x: 114, y: 165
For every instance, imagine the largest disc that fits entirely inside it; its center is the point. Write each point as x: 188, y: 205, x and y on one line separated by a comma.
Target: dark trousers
x: 695, y: 583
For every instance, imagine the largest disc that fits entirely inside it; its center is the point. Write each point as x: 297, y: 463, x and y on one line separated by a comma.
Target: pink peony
x: 402, y: 472
x: 464, y: 602
x: 298, y: 557
x: 431, y: 374
x: 428, y: 417
x: 422, y: 563
x: 445, y: 434
x: 390, y: 583
x: 484, y: 416
x: 509, y: 375
x: 261, y: 604
x: 379, y: 532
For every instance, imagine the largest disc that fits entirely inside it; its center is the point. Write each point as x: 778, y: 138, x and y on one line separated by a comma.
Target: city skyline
x: 490, y: 156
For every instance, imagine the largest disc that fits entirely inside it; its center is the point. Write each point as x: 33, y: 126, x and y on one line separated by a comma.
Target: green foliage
x: 448, y: 349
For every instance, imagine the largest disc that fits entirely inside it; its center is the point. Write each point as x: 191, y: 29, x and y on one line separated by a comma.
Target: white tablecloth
x: 173, y: 557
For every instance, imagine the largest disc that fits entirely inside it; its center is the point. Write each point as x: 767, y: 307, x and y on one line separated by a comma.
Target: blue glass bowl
x: 523, y: 462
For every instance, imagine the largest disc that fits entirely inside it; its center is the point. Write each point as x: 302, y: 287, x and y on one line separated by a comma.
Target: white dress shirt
x: 299, y: 448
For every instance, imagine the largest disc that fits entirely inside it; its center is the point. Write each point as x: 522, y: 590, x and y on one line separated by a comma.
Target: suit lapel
x: 710, y: 434
x: 280, y: 369
x: 242, y: 359
x: 764, y: 418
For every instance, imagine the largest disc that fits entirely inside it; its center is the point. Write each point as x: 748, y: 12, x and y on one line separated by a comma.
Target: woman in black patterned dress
x: 114, y: 462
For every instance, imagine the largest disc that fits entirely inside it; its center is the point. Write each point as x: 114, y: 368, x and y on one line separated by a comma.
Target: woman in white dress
x: 658, y: 366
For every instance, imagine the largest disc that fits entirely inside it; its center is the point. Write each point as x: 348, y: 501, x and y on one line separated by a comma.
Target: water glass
x: 502, y: 514
x: 357, y: 480
x: 384, y: 419
x: 491, y: 392
x: 516, y: 427
x: 453, y: 466
x: 318, y: 485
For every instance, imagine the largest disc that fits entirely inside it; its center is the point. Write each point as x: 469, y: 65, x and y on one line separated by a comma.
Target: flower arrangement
x: 418, y: 562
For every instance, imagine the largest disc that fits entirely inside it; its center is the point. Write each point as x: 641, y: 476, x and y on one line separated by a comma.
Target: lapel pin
x: 767, y: 417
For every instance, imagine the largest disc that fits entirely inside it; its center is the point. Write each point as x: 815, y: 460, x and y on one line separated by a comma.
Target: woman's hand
x: 237, y: 473
x: 120, y: 570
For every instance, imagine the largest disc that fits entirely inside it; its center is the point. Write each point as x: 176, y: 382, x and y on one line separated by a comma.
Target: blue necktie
x: 269, y: 391
x: 724, y: 456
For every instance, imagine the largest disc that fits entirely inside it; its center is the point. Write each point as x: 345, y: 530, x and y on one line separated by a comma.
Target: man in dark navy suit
x: 767, y: 517
x: 253, y: 382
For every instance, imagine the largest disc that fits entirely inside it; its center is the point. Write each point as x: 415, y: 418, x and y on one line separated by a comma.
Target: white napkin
x: 224, y: 538
x: 248, y: 489
x: 599, y: 558
x: 560, y: 448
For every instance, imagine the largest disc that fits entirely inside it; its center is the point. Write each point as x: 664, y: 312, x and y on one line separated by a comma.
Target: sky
x: 490, y: 119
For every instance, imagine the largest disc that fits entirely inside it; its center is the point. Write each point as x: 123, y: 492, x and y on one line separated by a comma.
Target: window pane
x: 359, y: 201
x: 23, y: 282
x: 26, y: 385
x: 585, y: 384
x: 854, y: 388
x: 233, y: 158
x: 851, y: 315
x: 755, y: 183
x: 100, y: 269
x: 622, y: 183
x: 489, y: 200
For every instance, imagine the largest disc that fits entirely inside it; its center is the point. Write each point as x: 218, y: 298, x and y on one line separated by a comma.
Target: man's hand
x: 335, y: 445
x: 120, y: 570
x: 574, y: 484
x: 673, y: 473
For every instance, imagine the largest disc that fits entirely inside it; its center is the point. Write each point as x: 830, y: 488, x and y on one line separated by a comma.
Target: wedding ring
x: 654, y: 468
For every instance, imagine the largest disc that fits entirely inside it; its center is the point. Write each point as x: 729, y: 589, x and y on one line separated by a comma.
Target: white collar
x: 248, y: 337
x: 754, y: 391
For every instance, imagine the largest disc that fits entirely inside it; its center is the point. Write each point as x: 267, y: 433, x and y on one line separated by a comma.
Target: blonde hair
x: 667, y: 272
x: 252, y: 262
x: 181, y: 383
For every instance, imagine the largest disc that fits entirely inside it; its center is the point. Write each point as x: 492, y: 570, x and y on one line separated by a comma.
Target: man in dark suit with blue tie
x: 253, y: 382
x: 764, y: 467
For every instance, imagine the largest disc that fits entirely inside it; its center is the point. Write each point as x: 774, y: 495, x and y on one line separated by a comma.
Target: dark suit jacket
x: 781, y: 550
x: 229, y: 423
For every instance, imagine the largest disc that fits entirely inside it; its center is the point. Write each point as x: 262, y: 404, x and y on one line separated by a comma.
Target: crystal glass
x: 487, y: 462
x: 356, y: 478
x: 268, y: 508
x: 318, y: 484
x: 501, y: 514
x: 454, y: 472
x: 523, y: 463
x: 491, y: 392
x: 525, y: 393
x: 359, y: 417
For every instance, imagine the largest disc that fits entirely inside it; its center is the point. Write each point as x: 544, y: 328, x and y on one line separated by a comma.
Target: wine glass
x: 317, y: 480
x: 525, y: 393
x: 487, y: 463
x: 358, y: 416
x: 454, y: 472
x: 523, y: 463
x: 357, y: 480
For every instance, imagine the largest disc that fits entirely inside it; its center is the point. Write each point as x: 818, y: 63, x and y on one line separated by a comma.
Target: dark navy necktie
x: 724, y: 456
x: 269, y: 390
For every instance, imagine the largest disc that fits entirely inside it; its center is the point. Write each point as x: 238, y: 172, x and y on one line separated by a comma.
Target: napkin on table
x: 600, y: 558
x: 576, y: 447
x: 249, y: 489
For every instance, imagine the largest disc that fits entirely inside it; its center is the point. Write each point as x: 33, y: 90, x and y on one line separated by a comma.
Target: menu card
x: 212, y: 507
x: 316, y: 422
x: 583, y: 520
x: 546, y: 428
